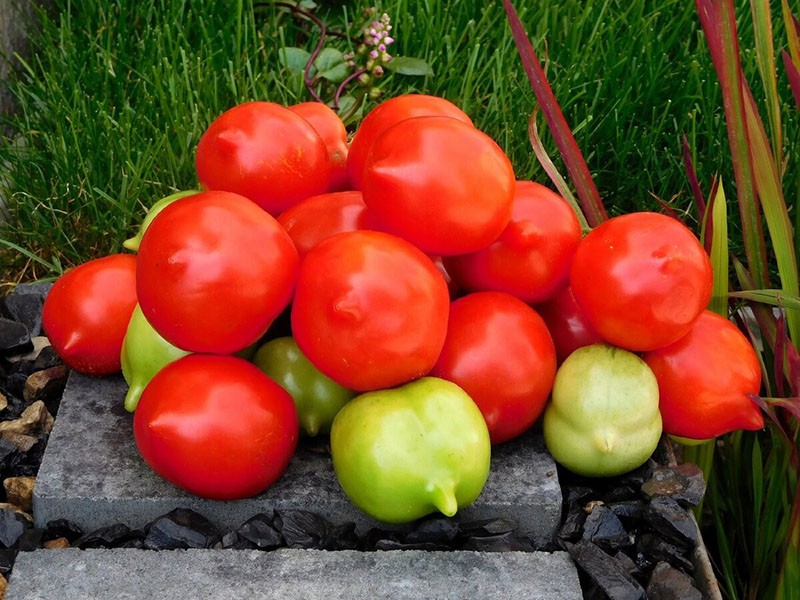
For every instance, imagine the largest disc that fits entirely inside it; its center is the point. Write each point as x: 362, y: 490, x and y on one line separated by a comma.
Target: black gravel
x: 631, y: 536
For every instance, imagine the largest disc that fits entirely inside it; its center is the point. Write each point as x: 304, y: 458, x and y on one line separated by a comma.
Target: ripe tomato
x: 319, y: 217
x: 214, y: 271
x: 389, y: 113
x: 532, y: 257
x: 439, y: 183
x: 332, y: 131
x: 264, y: 152
x: 567, y: 324
x: 216, y: 426
x: 370, y: 310
x: 704, y: 378
x: 499, y: 351
x: 86, y: 313
x: 642, y: 279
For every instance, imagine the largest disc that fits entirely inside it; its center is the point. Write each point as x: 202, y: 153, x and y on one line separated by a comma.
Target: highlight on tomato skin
x: 439, y: 183
x: 642, y: 279
x: 265, y: 152
x: 388, y: 113
x: 87, y: 311
x: 214, y: 271
x: 370, y: 310
x: 499, y: 351
x: 216, y: 426
x: 704, y: 380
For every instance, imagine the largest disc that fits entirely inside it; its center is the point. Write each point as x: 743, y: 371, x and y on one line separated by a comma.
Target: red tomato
x: 567, y: 324
x: 532, y: 257
x: 319, y: 217
x: 216, y: 426
x: 441, y: 184
x: 332, y: 131
x: 264, y: 152
x: 642, y: 279
x: 389, y: 113
x: 214, y: 271
x: 499, y: 351
x: 86, y: 313
x: 704, y: 378
x: 370, y: 310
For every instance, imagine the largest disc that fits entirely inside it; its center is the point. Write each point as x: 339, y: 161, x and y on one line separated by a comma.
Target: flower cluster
x: 371, y: 55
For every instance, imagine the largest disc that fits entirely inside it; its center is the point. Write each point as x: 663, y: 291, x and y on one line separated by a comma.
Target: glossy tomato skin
x: 319, y: 217
x: 264, y: 152
x: 567, y: 324
x: 391, y: 112
x: 216, y: 426
x: 214, y: 270
x: 333, y: 132
x: 642, y: 279
x: 704, y: 378
x: 499, y: 351
x: 532, y: 257
x: 86, y: 313
x: 370, y: 310
x: 439, y: 183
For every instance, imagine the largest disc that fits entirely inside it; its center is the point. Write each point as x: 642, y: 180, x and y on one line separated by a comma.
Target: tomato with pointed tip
x: 705, y: 379
x: 402, y: 453
x: 216, y: 426
x: 499, y: 351
x: 388, y: 113
x: 641, y: 279
x: 86, y: 313
x: 264, y: 152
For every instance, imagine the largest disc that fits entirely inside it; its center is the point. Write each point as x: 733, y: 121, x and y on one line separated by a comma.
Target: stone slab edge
x: 291, y: 574
x: 92, y: 474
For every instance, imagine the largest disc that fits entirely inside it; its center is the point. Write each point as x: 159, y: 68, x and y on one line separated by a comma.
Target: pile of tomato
x: 406, y: 295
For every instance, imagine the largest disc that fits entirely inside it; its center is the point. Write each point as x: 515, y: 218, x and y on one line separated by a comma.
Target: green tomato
x: 132, y: 244
x: 405, y: 452
x: 318, y: 397
x: 603, y: 419
x: 144, y: 353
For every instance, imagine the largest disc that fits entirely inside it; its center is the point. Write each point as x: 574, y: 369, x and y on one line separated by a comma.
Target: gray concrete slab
x: 93, y: 475
x: 291, y: 574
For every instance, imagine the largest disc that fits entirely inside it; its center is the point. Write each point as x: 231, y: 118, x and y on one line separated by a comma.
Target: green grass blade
x: 765, y: 54
x: 718, y: 216
x: 791, y: 33
x: 772, y: 297
x: 776, y: 214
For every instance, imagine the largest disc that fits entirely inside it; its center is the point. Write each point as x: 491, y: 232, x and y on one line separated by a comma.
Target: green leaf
x: 718, y: 216
x: 771, y: 296
x: 330, y: 65
x: 294, y: 59
x: 406, y: 65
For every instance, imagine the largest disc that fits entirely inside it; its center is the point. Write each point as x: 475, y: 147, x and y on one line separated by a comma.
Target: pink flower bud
x: 388, y: 40
x: 373, y: 54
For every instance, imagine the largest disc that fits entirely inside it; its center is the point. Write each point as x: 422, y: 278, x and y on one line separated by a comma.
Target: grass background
x: 115, y: 96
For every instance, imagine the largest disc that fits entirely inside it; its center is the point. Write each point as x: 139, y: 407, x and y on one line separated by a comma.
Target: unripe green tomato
x: 132, y: 244
x: 603, y: 419
x: 405, y: 452
x: 144, y: 353
x: 318, y: 397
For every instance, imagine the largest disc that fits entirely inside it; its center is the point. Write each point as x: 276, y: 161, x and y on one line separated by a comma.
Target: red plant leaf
x: 591, y: 204
x: 694, y: 182
x: 794, y: 77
